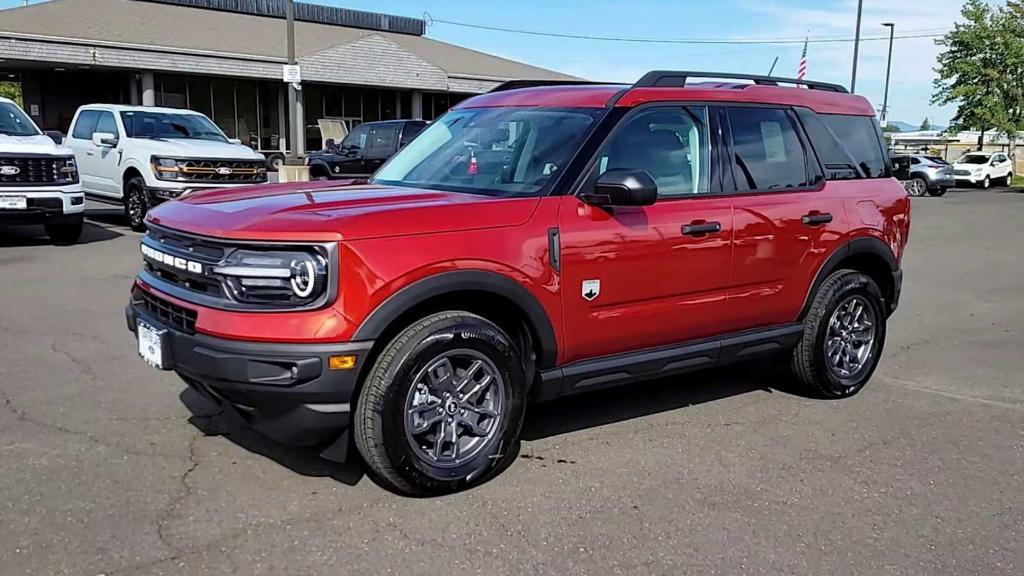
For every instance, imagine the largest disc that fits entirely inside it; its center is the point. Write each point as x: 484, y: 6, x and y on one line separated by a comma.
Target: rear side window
x: 86, y: 124
x: 383, y: 137
x: 849, y: 147
x: 767, y: 153
x: 409, y: 132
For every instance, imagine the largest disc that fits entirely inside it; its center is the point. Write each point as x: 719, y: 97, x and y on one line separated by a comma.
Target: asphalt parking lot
x: 105, y: 471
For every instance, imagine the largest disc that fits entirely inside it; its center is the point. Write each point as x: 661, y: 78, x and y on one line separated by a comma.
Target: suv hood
x: 39, y: 144
x: 195, y: 148
x: 325, y: 211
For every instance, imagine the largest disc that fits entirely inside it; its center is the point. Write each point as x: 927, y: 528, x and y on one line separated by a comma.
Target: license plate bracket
x: 154, y: 345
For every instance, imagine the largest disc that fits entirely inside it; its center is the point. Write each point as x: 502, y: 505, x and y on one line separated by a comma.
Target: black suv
x: 364, y: 150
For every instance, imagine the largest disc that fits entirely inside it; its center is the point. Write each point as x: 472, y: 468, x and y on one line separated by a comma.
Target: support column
x: 417, y: 105
x: 133, y: 89
x: 300, y: 124
x: 284, y: 132
x: 398, y: 104
x: 148, y: 89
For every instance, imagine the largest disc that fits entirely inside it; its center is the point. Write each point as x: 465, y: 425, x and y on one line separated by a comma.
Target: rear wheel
x: 136, y: 203
x: 442, y: 407
x: 64, y: 233
x: 275, y: 162
x: 843, y: 335
x: 1008, y: 180
x: 938, y: 191
x: 917, y: 186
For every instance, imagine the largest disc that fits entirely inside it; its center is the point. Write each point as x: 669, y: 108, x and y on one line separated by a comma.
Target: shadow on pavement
x: 36, y: 235
x: 211, y: 420
x: 590, y: 410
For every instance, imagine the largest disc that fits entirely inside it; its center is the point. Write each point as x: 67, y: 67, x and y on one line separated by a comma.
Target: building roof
x: 149, y: 25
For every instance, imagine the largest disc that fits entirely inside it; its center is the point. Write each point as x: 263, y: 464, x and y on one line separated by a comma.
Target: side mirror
x: 57, y: 137
x: 104, y: 139
x: 623, y: 188
x: 234, y: 141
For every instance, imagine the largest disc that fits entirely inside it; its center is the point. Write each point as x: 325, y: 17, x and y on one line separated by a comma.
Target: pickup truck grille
x: 27, y: 170
x: 223, y: 171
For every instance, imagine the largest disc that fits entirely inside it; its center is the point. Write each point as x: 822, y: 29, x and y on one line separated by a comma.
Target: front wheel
x: 844, y: 332
x: 136, y: 203
x: 986, y: 183
x: 442, y: 407
x: 917, y: 187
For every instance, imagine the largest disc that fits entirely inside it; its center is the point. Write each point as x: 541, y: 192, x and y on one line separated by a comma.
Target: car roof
x: 127, y: 108
x: 977, y: 153
x: 7, y: 100
x: 626, y: 96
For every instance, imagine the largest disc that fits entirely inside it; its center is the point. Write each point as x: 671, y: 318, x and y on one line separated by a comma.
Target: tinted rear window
x: 767, y: 154
x: 848, y: 146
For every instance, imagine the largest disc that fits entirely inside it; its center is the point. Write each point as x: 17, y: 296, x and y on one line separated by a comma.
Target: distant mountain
x: 907, y: 127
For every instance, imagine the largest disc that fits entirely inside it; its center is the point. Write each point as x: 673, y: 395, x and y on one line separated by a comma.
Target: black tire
x: 986, y: 183
x: 275, y: 162
x: 64, y: 233
x: 936, y: 192
x: 917, y: 186
x: 136, y: 203
x: 1008, y: 180
x: 809, y: 362
x: 380, y: 416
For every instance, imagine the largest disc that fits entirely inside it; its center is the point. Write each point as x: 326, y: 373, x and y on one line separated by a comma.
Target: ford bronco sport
x: 536, y: 241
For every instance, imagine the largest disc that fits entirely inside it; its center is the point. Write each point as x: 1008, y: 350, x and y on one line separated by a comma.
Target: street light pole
x: 856, y: 47
x: 888, y: 68
x: 293, y: 133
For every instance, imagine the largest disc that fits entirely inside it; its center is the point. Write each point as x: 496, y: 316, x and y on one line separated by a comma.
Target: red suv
x: 537, y: 241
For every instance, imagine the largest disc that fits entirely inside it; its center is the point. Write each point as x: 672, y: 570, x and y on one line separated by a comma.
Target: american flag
x: 801, y: 70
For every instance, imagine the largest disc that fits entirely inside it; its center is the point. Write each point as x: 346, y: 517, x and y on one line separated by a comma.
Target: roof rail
x: 677, y: 79
x: 517, y: 84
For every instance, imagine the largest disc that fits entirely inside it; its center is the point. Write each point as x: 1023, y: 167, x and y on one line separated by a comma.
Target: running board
x: 650, y: 363
x: 104, y: 199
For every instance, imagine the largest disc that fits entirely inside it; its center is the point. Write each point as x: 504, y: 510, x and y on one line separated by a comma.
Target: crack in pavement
x: 172, y: 506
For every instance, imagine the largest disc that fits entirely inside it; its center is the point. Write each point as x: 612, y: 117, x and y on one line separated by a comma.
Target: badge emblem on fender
x: 591, y: 289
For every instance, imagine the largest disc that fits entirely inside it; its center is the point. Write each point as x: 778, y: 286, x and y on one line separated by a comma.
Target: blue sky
x: 913, y: 59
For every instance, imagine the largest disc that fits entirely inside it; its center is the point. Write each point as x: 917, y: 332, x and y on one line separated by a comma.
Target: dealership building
x: 225, y: 58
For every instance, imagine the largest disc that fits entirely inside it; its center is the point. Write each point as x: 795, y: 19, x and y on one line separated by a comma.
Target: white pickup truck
x: 38, y: 178
x: 141, y: 156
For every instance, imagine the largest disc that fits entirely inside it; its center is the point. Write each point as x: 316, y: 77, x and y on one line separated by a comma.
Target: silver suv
x: 924, y: 174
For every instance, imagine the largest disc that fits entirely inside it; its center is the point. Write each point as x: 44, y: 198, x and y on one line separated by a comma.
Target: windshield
x: 170, y: 125
x: 974, y: 159
x: 14, y: 122
x: 501, y: 152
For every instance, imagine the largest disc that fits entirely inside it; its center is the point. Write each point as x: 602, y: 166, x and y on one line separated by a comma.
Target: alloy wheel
x: 136, y: 207
x: 454, y: 408
x: 916, y: 187
x: 850, y: 338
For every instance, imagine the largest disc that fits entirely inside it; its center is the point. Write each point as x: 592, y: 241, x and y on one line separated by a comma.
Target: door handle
x: 699, y: 228
x: 816, y: 218
x: 90, y: 153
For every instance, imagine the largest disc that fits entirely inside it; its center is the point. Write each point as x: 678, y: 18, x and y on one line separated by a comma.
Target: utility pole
x: 888, y: 68
x: 856, y: 47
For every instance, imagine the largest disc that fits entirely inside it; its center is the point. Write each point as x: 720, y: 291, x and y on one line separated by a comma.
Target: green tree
x: 981, y: 68
x: 925, y: 124
x: 11, y: 90
x: 891, y: 128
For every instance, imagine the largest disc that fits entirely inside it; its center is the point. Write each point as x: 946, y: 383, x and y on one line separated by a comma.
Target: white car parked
x: 983, y: 169
x: 141, y: 156
x: 38, y: 178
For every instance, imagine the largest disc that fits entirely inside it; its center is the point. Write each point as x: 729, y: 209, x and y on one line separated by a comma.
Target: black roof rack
x: 517, y: 84
x: 677, y: 79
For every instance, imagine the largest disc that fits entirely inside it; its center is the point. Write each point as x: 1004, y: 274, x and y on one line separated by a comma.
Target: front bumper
x: 46, y: 205
x: 282, y: 390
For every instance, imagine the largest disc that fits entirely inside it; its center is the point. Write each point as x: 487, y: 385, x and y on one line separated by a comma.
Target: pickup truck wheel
x: 67, y: 233
x: 917, y: 187
x: 844, y: 332
x: 136, y: 203
x: 442, y: 408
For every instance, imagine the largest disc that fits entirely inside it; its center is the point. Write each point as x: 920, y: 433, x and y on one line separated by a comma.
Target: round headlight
x: 303, y: 277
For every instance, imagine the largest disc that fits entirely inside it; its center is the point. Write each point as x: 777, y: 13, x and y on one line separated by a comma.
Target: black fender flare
x: 861, y: 245
x: 447, y: 282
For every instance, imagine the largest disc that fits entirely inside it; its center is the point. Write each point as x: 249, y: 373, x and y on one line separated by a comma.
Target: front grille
x: 223, y: 171
x: 191, y: 248
x: 172, y: 315
x: 31, y: 170
x: 962, y: 172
